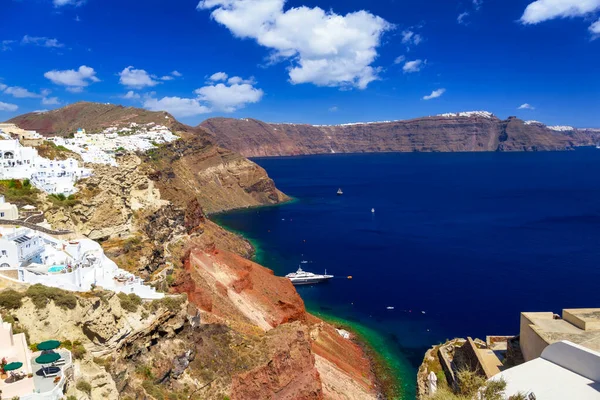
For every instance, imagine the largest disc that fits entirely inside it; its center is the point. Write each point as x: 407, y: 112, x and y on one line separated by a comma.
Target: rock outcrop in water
x: 471, y: 132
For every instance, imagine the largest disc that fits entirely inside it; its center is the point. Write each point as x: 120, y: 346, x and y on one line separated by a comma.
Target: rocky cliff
x: 449, y: 133
x: 243, y: 334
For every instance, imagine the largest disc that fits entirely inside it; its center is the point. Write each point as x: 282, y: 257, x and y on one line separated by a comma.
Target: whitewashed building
x: 75, y: 265
x: 7, y: 210
x: 51, y: 176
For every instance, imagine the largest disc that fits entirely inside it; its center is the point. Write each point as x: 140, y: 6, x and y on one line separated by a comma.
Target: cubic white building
x: 51, y: 176
x: 75, y: 265
x: 7, y: 210
x: 565, y: 370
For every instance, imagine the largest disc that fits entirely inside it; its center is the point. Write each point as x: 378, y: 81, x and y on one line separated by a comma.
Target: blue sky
x: 321, y: 62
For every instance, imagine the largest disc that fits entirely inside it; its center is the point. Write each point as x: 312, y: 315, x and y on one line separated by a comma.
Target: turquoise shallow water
x: 459, y: 244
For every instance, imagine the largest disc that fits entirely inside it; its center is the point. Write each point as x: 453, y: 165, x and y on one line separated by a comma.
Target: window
x: 1, y: 215
x: 4, y: 252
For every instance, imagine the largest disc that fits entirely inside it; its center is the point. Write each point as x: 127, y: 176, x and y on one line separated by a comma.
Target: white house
x: 51, y: 176
x: 7, y: 210
x: 565, y: 370
x: 75, y: 265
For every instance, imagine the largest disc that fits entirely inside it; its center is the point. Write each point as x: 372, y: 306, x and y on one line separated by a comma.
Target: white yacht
x: 302, y: 277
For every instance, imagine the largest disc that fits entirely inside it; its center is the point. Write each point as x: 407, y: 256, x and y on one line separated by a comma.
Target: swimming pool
x: 57, y: 268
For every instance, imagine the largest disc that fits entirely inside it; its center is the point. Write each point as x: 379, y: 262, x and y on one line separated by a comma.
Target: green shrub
x: 78, y: 351
x: 171, y: 303
x: 84, y: 386
x: 130, y: 302
x: 40, y: 295
x: 10, y: 299
x: 145, y: 371
x: 71, y: 398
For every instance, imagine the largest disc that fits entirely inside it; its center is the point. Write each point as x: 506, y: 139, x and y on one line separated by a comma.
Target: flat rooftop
x: 580, y: 326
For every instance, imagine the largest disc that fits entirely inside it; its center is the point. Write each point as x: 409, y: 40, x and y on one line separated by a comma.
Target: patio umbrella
x: 47, y: 358
x: 13, y: 366
x: 48, y: 345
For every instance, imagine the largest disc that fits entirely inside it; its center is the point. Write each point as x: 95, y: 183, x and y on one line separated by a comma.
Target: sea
x: 437, y: 245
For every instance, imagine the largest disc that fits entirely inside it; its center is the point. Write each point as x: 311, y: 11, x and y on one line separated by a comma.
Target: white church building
x: 51, y: 176
x: 76, y: 265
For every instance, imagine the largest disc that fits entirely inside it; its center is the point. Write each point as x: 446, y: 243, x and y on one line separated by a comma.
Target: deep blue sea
x: 459, y: 244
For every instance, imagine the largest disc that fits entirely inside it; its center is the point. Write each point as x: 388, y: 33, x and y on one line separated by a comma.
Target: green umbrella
x: 47, y: 358
x: 12, y: 366
x: 48, y: 345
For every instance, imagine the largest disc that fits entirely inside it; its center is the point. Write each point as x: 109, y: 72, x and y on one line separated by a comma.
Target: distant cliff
x: 478, y: 131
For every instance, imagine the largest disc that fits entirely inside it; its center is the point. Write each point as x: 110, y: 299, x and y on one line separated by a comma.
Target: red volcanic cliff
x: 254, y: 138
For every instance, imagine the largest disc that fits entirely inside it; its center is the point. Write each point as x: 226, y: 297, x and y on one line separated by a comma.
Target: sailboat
x: 339, y: 192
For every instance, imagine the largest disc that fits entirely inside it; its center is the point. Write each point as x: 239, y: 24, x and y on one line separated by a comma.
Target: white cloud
x: 228, y: 98
x: 8, y: 107
x: 136, y: 78
x: 218, y: 76
x: 41, y: 41
x: 20, y: 92
x: 413, y: 66
x: 461, y: 19
x: 5, y: 45
x: 60, y: 3
x: 179, y: 107
x: 333, y: 109
x: 166, y: 78
x: 595, y: 29
x: 2, y: 86
x: 177, y: 74
x: 131, y: 95
x: 50, y: 101
x: 75, y: 80
x: 435, y: 94
x: 543, y: 10
x: 526, y: 106
x: 223, y: 97
x: 325, y: 48
x: 477, y: 4
x: 410, y: 37
x: 399, y: 60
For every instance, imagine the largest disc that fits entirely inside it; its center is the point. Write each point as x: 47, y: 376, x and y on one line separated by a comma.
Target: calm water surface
x: 459, y: 243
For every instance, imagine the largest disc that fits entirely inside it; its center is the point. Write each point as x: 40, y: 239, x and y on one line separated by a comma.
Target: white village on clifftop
x: 30, y: 250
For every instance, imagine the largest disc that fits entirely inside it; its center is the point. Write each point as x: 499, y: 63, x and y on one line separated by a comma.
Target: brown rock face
x: 253, y: 138
x: 93, y: 117
x: 290, y: 373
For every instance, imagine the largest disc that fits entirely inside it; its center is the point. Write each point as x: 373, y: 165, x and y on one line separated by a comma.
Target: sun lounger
x: 50, y: 372
x: 62, y: 361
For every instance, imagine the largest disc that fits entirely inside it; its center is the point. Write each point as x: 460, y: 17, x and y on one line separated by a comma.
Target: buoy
x: 349, y: 276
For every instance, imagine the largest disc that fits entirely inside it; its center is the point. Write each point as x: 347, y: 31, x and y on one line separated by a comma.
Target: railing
x: 34, y: 227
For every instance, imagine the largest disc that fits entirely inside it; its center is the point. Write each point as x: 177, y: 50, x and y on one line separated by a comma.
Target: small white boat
x: 373, y: 210
x: 301, y: 277
x: 390, y: 308
x: 339, y: 192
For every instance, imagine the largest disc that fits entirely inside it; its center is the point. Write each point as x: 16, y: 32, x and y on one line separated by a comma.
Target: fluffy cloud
x: 213, y: 97
x: 409, y: 37
x: 179, y: 107
x: 20, y: 92
x: 177, y: 74
x: 131, y: 95
x: 399, y: 60
x: 544, y: 10
x: 595, y: 29
x: 333, y: 109
x: 325, y: 48
x: 136, y: 78
x: 435, y: 94
x: 218, y: 76
x: 413, y: 66
x: 228, y: 98
x: 2, y: 86
x: 41, y: 41
x: 526, y: 106
x: 461, y: 19
x: 60, y: 3
x: 5, y: 45
x: 8, y: 107
x: 50, y: 101
x: 75, y: 80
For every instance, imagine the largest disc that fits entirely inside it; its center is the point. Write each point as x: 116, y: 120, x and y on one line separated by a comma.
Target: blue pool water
x: 459, y: 243
x: 57, y: 268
